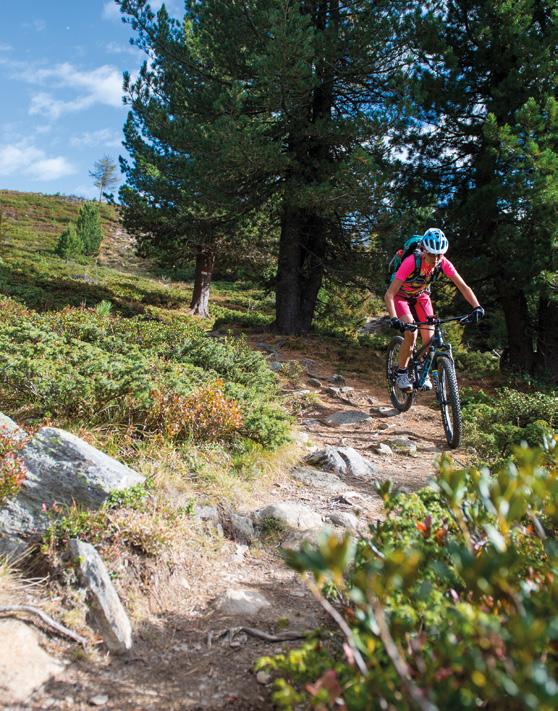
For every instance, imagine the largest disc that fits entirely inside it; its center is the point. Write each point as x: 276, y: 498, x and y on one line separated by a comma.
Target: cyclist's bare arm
x: 466, y: 291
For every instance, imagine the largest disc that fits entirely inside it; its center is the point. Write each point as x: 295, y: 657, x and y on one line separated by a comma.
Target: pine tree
x: 69, y: 243
x: 264, y: 106
x: 487, y: 146
x: 105, y: 174
x: 88, y: 228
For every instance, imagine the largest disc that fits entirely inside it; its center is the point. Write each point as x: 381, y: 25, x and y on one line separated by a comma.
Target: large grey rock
x: 61, y: 468
x: 344, y: 519
x: 209, y: 515
x: 8, y: 428
x: 242, y: 528
x: 347, y: 417
x: 384, y: 449
x: 337, y: 379
x: 314, y: 382
x: 24, y: 665
x: 106, y: 609
x: 341, y: 460
x: 289, y: 514
x: 324, y: 481
x: 240, y: 602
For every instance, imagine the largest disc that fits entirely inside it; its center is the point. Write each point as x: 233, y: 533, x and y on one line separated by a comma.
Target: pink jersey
x: 413, y: 285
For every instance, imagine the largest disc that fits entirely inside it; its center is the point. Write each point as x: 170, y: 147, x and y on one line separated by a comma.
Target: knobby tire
x: 400, y: 400
x: 450, y: 405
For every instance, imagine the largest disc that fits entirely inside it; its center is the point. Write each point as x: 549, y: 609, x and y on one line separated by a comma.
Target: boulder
x: 314, y: 382
x: 61, y: 468
x: 344, y: 519
x: 210, y: 516
x: 24, y: 665
x: 387, y: 411
x: 347, y: 417
x: 317, y: 479
x: 10, y: 429
x: 107, y: 612
x: 241, y: 602
x: 384, y: 449
x: 242, y: 528
x: 289, y: 514
x: 337, y: 379
x: 341, y: 460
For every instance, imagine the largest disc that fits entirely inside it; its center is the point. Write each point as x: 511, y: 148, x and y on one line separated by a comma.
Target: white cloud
x: 5, y: 47
x: 25, y: 159
x: 103, y: 137
x: 111, y: 11
x: 102, y: 85
x: 117, y: 48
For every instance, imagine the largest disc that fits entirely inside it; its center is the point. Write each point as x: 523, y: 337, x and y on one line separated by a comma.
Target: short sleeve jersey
x: 414, y: 285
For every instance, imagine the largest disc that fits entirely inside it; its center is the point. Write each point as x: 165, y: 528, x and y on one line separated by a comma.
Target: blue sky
x: 61, y: 67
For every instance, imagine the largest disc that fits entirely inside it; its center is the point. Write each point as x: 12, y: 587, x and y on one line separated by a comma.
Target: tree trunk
x: 304, y: 232
x: 205, y: 259
x: 520, y: 354
x: 547, y: 341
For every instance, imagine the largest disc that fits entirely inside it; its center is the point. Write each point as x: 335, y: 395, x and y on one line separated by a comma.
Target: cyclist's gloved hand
x: 396, y: 323
x: 476, y: 315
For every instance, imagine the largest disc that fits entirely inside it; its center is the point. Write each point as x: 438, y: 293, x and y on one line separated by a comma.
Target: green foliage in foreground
x: 498, y: 422
x: 84, y: 365
x: 462, y: 578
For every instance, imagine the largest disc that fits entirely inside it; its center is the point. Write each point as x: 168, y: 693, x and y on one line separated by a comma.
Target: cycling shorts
x: 416, y: 309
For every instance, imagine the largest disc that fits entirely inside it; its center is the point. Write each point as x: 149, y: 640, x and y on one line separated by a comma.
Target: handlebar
x: 433, y: 321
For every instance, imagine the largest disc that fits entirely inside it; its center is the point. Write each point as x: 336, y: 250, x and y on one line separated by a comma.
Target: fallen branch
x: 343, y: 626
x: 253, y: 632
x: 6, y: 609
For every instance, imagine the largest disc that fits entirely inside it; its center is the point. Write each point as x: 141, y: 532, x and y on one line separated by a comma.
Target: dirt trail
x: 171, y: 665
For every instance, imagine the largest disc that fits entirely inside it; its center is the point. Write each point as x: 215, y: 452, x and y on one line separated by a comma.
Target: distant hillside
x: 41, y: 218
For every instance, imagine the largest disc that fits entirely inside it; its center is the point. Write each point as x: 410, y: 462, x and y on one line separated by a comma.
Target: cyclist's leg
x: 403, y: 311
x: 424, y: 309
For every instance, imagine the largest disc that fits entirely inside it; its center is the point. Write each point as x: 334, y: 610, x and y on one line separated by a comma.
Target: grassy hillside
x: 105, y: 348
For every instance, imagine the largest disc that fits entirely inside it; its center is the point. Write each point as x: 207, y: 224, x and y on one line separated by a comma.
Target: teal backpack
x: 410, y: 246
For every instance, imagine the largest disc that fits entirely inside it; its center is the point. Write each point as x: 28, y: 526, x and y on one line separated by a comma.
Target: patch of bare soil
x: 173, y: 665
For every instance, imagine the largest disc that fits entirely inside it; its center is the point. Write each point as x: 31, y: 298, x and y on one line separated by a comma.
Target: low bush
x: 88, y: 365
x: 451, y: 603
x: 496, y: 423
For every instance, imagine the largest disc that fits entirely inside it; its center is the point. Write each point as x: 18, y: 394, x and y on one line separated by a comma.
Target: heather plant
x: 450, y: 603
x: 12, y: 468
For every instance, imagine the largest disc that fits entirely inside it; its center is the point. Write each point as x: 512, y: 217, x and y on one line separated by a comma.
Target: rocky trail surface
x: 198, y: 651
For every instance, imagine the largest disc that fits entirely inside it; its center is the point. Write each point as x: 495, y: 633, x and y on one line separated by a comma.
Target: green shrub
x: 88, y: 228
x: 453, y: 599
x: 82, y: 364
x: 495, y: 424
x: 69, y: 243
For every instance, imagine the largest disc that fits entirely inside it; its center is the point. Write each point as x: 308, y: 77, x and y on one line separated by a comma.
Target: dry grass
x: 15, y: 588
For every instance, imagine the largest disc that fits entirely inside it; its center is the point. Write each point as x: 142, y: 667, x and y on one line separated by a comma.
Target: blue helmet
x: 435, y: 241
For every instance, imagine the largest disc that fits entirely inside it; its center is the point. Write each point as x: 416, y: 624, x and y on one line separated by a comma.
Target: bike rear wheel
x: 448, y: 399
x: 400, y: 399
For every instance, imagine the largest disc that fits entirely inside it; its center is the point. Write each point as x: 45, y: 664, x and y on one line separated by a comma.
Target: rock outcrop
x: 62, y: 469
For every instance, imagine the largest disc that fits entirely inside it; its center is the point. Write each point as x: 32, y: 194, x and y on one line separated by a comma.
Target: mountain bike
x: 437, y: 361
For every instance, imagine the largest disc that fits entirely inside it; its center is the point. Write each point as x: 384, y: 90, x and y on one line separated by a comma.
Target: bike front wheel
x: 400, y: 399
x: 448, y: 399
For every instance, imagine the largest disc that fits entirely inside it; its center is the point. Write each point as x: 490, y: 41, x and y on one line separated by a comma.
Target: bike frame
x: 436, y: 348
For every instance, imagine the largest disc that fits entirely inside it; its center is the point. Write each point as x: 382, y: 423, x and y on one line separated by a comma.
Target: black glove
x: 476, y: 315
x: 396, y: 323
